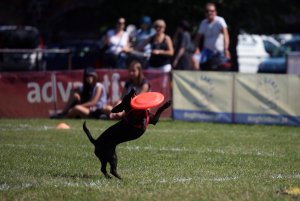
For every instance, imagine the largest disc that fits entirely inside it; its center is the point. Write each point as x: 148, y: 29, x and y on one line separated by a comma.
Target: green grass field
x: 174, y: 160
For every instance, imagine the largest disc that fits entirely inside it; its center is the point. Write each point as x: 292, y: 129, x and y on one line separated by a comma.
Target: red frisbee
x: 147, y: 100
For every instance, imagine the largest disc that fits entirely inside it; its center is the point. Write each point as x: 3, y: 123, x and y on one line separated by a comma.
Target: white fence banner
x: 200, y: 96
x: 236, y: 98
x: 267, y: 99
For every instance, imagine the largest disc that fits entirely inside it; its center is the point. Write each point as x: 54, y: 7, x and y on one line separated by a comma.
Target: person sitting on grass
x: 88, y: 100
x: 136, y: 81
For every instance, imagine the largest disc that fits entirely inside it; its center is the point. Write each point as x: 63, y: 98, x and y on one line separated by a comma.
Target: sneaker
x: 57, y: 116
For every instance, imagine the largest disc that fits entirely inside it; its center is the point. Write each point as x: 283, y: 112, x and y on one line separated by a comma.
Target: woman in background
x: 116, y: 42
x: 161, y: 48
x: 136, y: 81
x: 183, y: 47
x: 88, y: 100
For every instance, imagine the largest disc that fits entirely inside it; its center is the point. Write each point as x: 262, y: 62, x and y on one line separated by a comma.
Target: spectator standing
x: 116, y: 42
x: 88, y: 100
x: 214, y: 33
x: 183, y: 47
x: 161, y: 48
x: 144, y: 32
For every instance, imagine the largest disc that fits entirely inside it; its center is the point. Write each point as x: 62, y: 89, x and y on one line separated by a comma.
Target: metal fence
x: 31, y: 59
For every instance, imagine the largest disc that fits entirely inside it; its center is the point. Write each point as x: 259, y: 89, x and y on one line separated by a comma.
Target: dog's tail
x: 88, y: 133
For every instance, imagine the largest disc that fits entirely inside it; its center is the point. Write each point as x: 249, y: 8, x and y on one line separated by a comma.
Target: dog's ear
x: 132, y: 93
x: 118, y: 108
x: 125, y: 104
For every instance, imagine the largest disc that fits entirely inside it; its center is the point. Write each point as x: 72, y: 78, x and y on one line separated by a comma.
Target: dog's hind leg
x: 113, y: 166
x: 103, y: 169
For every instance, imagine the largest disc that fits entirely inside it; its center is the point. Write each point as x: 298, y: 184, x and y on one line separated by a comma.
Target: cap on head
x: 90, y: 71
x: 146, y: 20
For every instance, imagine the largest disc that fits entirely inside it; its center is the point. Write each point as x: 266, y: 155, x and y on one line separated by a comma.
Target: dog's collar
x: 140, y: 126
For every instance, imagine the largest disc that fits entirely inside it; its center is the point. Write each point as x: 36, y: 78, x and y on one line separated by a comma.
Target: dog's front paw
x: 166, y: 105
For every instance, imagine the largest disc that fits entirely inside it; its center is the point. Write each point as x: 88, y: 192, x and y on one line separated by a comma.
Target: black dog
x: 131, y: 127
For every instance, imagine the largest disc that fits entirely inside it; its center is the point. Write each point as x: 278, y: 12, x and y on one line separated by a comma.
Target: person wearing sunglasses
x: 162, y: 49
x: 213, y: 32
x: 116, y: 42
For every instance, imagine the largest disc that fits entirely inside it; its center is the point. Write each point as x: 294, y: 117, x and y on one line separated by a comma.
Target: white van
x: 252, y: 50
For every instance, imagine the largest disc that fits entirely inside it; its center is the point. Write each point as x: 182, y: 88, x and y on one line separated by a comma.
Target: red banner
x: 40, y: 94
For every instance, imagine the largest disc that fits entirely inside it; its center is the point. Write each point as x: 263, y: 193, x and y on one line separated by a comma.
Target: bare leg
x: 78, y: 111
x: 73, y: 100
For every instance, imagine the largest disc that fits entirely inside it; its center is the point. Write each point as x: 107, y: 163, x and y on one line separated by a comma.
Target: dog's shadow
x: 74, y: 176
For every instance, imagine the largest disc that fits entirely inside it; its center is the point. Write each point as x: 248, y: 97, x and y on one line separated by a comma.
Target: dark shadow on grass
x: 74, y: 176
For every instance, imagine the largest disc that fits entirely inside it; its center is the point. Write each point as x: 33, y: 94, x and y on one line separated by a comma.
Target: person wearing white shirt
x: 214, y: 33
x: 117, y: 41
